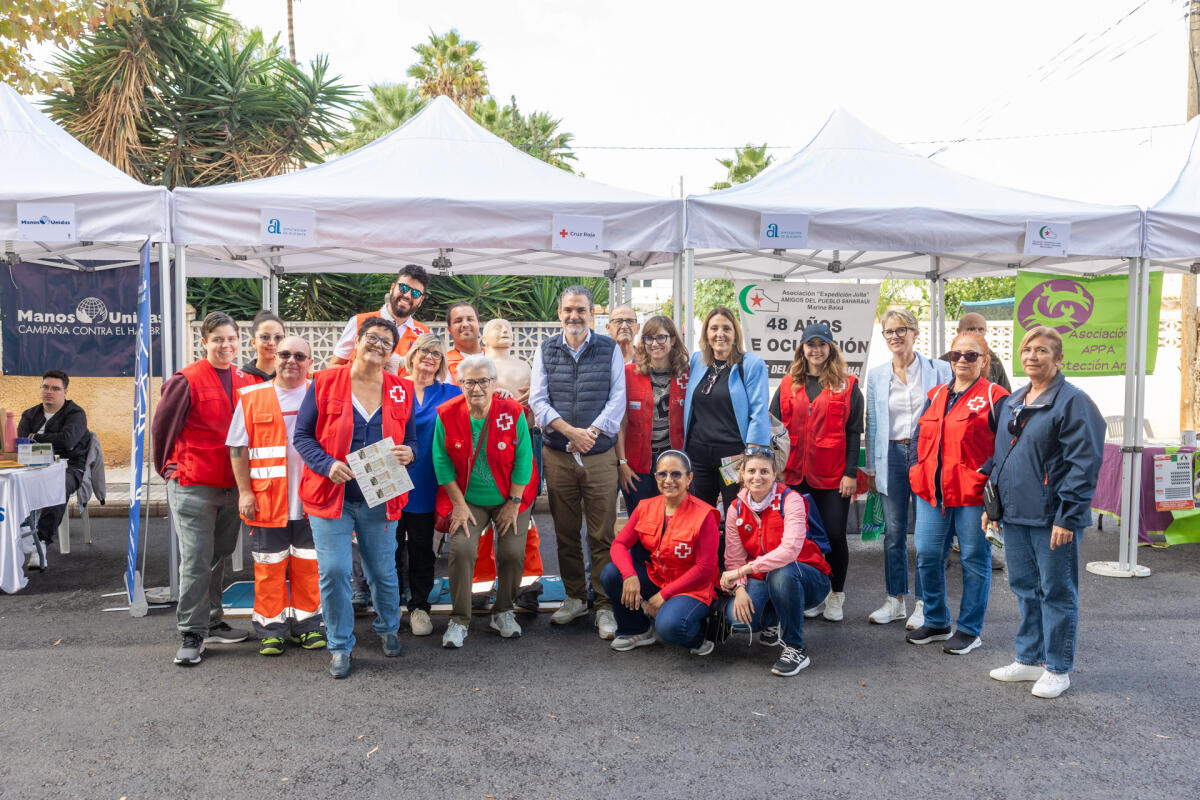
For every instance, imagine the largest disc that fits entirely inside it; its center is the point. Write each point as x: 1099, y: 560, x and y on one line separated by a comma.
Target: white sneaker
x: 454, y: 635
x: 833, y: 606
x: 892, y: 609
x: 817, y: 610
x: 704, y: 649
x: 35, y: 562
x: 572, y: 608
x: 420, y: 623
x: 1016, y: 671
x: 505, y: 623
x: 918, y: 616
x: 606, y: 623
x: 1051, y: 684
x: 623, y: 643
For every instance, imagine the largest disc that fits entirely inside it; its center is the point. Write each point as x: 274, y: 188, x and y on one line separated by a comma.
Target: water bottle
x: 10, y: 432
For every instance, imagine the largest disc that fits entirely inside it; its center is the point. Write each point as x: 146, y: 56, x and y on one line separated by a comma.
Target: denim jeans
x: 935, y: 527
x: 680, y: 619
x: 895, y: 521
x: 1046, y: 583
x: 782, y: 598
x: 377, y: 545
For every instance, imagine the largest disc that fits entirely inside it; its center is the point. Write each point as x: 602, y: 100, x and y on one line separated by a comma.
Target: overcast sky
x: 718, y: 74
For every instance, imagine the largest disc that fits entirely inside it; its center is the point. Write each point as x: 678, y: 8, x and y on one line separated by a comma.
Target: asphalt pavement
x: 91, y: 705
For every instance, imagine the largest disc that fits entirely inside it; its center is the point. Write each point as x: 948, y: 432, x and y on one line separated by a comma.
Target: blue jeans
x: 895, y: 521
x: 1046, y: 583
x: 680, y: 619
x: 377, y: 546
x: 782, y: 598
x: 645, y: 488
x: 935, y: 527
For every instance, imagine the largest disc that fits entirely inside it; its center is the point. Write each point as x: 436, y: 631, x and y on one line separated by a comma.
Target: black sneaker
x: 769, y: 637
x: 926, y: 634
x: 961, y: 643
x: 221, y: 632
x: 191, y: 652
x: 791, y: 661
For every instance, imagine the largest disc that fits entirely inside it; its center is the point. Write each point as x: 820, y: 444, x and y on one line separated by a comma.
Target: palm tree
x: 747, y: 162
x: 390, y: 106
x: 448, y: 66
x: 543, y: 140
x: 291, y: 28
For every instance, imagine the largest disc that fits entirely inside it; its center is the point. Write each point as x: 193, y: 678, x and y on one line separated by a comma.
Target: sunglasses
x: 892, y: 333
x: 299, y: 358
x: 1017, y: 424
x: 754, y: 450
x: 675, y: 475
x: 970, y: 356
x: 406, y: 289
x: 661, y: 338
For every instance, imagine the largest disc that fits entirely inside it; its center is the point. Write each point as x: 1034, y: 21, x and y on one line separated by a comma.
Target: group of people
x: 717, y: 537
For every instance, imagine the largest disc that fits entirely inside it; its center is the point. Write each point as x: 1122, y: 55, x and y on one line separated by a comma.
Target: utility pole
x: 1189, y: 406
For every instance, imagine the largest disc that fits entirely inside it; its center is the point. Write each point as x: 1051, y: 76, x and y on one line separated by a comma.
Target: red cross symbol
x: 976, y: 403
x: 683, y: 550
x: 397, y: 394
x: 563, y: 233
x: 504, y: 421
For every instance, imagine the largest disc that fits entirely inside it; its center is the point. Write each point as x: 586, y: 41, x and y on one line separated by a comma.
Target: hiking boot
x: 926, y: 634
x: 191, y: 652
x: 271, y: 646
x: 221, y: 632
x: 791, y: 661
x: 505, y: 623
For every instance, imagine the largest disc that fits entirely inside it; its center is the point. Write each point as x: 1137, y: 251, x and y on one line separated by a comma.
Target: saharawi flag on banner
x: 1091, y: 315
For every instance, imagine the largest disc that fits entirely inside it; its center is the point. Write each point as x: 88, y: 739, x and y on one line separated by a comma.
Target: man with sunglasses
x: 973, y: 322
x: 404, y: 298
x: 623, y: 328
x: 267, y: 469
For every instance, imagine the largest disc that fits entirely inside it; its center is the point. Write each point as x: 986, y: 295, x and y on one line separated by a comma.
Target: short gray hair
x: 902, y: 314
x: 577, y: 289
x: 475, y: 361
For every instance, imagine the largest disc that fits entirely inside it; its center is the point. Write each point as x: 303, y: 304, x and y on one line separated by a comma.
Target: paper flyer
x: 378, y: 474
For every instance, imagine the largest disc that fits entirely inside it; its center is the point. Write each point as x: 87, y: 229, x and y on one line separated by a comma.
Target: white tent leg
x: 183, y: 346
x: 677, y: 290
x: 689, y: 309
x: 266, y: 294
x: 165, y: 307
x: 937, y: 317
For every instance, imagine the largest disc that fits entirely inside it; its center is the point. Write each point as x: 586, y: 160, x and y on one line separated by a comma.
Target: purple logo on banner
x: 1062, y: 304
x: 141, y: 397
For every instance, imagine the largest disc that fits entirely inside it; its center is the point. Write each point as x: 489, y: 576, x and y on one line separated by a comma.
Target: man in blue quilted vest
x: 577, y: 395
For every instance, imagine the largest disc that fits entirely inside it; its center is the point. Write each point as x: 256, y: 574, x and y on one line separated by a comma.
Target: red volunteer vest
x: 500, y: 448
x: 200, y: 451
x: 961, y: 439
x: 267, y: 448
x: 673, y: 551
x: 639, y: 417
x: 817, y: 432
x: 407, y: 337
x: 335, y: 430
x: 761, y: 535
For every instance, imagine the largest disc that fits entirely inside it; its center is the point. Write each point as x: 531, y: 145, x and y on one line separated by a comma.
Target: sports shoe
x: 505, y: 623
x: 791, y: 661
x: 769, y: 637
x: 454, y: 635
x: 420, y: 623
x: 623, y: 643
x: 391, y: 645
x: 917, y: 619
x: 1016, y: 671
x: 704, y: 649
x: 270, y: 646
x: 817, y: 610
x: 191, y: 652
x: 961, y: 643
x: 312, y: 640
x: 1051, y: 684
x: 926, y: 634
x: 221, y: 632
x: 892, y: 609
x: 35, y: 561
x: 339, y: 665
x: 572, y: 608
x: 606, y: 623
x: 833, y: 606
x: 360, y: 599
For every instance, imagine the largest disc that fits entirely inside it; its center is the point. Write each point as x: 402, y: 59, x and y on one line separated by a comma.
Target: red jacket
x: 639, y: 417
x: 763, y: 534
x: 817, y: 433
x: 500, y: 450
x: 673, y: 551
x: 200, y: 451
x: 335, y: 430
x: 959, y: 441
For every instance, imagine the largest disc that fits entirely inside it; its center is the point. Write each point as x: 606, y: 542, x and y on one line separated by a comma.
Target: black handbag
x: 991, y: 501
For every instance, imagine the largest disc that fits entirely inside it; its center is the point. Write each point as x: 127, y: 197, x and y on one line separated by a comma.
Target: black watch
x: 514, y: 499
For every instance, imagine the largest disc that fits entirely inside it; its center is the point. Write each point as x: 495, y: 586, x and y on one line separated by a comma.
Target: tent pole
x: 937, y: 319
x: 165, y: 302
x: 1139, y: 427
x: 689, y: 310
x: 182, y: 327
x: 677, y: 290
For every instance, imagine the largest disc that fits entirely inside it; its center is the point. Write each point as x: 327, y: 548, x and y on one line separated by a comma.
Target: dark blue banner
x: 84, y: 323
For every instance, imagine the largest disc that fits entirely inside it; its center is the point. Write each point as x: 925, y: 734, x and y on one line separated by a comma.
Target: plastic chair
x: 1116, y: 427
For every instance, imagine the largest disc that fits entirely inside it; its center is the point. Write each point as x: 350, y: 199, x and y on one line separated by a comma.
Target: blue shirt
x: 424, y: 493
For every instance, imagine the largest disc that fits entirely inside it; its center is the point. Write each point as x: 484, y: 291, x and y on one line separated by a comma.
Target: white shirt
x: 345, y: 345
x: 46, y: 421
x: 905, y: 402
x: 609, y: 421
x: 289, y: 404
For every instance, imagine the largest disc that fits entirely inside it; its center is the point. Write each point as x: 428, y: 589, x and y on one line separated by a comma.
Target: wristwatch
x: 622, y: 461
x: 514, y: 499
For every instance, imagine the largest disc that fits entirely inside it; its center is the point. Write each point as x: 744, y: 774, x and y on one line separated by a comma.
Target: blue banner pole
x: 141, y: 397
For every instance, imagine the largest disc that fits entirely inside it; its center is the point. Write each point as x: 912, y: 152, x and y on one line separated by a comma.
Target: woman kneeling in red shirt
x: 664, y: 564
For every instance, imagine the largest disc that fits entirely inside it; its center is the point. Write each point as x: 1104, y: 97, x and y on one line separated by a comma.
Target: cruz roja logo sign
x: 577, y: 234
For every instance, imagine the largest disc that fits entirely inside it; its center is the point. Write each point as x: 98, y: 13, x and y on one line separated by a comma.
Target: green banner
x: 1090, y: 313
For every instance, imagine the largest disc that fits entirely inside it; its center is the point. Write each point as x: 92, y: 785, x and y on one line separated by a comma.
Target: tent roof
x: 41, y: 162
x: 439, y: 181
x: 885, y: 210
x: 1173, y: 223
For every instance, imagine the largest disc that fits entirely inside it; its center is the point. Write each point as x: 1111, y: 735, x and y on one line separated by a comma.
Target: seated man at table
x: 58, y: 421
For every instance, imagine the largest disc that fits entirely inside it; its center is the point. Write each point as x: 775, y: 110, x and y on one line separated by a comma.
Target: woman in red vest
x: 189, y: 429
x: 664, y: 564
x: 655, y: 385
x: 484, y: 462
x: 346, y: 409
x: 957, y: 435
x: 774, y: 571
x: 822, y: 405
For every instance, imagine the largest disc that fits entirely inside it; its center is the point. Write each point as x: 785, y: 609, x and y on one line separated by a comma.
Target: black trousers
x: 707, y: 483
x: 414, y: 544
x: 833, y: 509
x: 50, y: 517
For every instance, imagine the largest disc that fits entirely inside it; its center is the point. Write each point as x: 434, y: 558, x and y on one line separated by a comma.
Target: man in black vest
x: 577, y: 395
x: 59, y: 422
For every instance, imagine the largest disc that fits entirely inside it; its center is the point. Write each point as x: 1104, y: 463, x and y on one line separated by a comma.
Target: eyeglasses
x: 661, y: 338
x: 379, y: 341
x: 404, y: 288
x: 430, y: 352
x: 970, y: 356
x: 46, y: 388
x: 267, y: 338
x: 299, y: 358
x: 893, y: 333
x: 624, y: 322
x: 472, y: 383
x: 675, y: 474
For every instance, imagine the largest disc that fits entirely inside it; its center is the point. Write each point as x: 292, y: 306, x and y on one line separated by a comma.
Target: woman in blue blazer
x: 895, y: 401
x: 725, y: 408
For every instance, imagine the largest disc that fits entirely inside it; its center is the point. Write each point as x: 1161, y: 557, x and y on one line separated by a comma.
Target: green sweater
x: 481, y: 487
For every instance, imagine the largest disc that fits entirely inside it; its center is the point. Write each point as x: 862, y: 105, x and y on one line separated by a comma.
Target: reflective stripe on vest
x: 267, y: 436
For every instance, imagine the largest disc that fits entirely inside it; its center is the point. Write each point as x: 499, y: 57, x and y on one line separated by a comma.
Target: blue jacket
x: 1050, y: 475
x: 879, y: 419
x: 750, y: 396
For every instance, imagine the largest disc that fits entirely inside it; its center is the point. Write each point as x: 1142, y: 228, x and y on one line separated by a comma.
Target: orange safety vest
x: 200, y: 451
x: 673, y: 551
x: 639, y: 417
x: 267, y: 448
x: 817, y: 432
x: 960, y: 440
x: 763, y: 534
x: 407, y: 337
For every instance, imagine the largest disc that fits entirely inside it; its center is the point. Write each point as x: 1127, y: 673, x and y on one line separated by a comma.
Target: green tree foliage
x: 26, y: 23
x: 447, y: 64
x: 391, y: 105
x: 974, y: 289
x: 746, y: 163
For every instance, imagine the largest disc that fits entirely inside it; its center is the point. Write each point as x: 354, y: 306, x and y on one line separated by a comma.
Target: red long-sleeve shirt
x: 698, y: 577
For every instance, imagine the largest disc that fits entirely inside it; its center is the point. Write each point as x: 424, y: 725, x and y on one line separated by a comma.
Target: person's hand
x: 631, y: 593
x: 523, y: 395
x: 460, y: 515
x: 403, y: 454
x: 504, y: 393
x: 506, y: 519
x: 848, y: 486
x: 247, y: 506
x: 729, y: 578
x: 581, y: 439
x: 1060, y: 536
x: 652, y: 605
x: 340, y: 472
x: 984, y: 522
x: 871, y: 483
x: 628, y: 478
x: 743, y: 606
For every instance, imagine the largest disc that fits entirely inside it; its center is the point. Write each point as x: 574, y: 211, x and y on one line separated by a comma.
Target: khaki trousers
x: 510, y: 562
x: 574, y: 492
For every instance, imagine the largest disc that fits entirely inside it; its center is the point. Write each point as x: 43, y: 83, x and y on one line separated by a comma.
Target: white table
x: 22, y: 491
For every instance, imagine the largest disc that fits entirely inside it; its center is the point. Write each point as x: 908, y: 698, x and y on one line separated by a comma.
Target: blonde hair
x: 1047, y: 333
x: 426, y: 341
x: 902, y: 314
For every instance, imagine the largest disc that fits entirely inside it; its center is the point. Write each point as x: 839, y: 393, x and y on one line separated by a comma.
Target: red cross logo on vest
x: 683, y: 550
x: 397, y: 394
x: 976, y: 403
x: 504, y: 421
